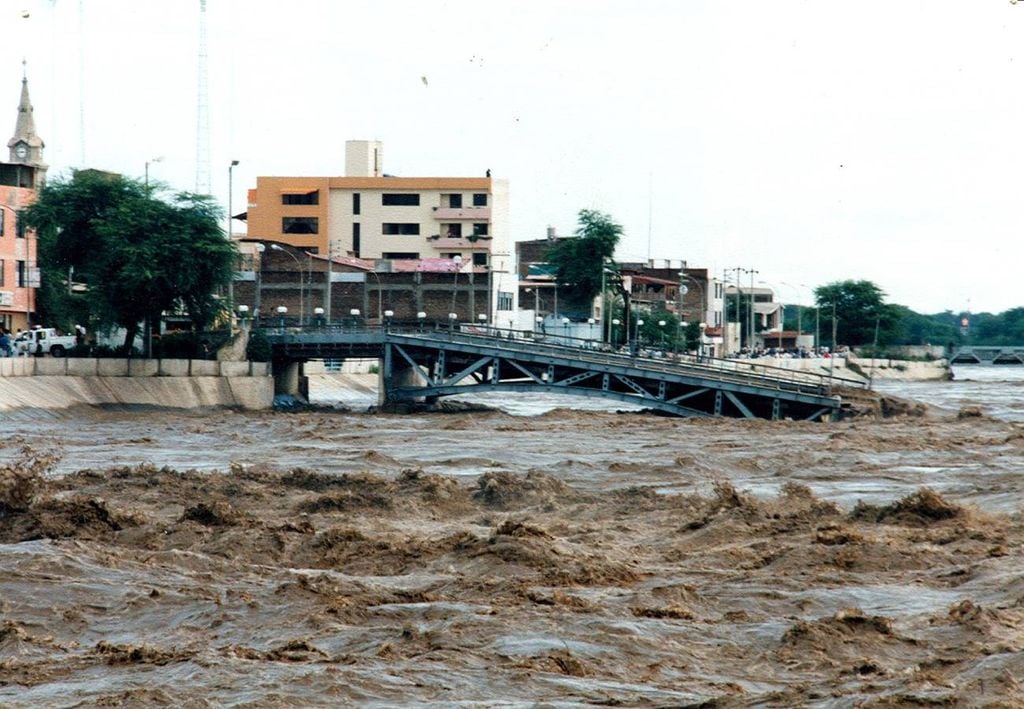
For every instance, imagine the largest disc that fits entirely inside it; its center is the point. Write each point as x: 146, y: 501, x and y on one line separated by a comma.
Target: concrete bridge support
x: 289, y: 380
x: 397, y: 373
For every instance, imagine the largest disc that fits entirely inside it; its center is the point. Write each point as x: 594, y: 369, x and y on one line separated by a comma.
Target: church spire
x: 26, y: 146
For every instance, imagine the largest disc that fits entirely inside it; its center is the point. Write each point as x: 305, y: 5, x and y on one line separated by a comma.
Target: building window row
x: 400, y: 200
x: 300, y: 225
x: 400, y: 229
x: 455, y: 200
x: 307, y: 198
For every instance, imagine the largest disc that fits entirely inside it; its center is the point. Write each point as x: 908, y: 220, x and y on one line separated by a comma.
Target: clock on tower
x: 21, y: 151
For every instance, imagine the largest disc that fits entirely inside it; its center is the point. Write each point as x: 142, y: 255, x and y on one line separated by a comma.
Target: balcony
x: 470, y: 214
x: 479, y: 243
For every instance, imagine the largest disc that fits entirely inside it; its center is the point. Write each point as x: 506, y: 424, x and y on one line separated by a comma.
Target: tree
x: 858, y: 308
x: 136, y: 256
x: 579, y: 261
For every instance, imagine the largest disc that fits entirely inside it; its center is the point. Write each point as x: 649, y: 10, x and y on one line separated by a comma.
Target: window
x: 480, y: 200
x: 22, y: 274
x: 2, y: 212
x: 400, y: 200
x: 480, y: 259
x: 307, y: 198
x: 355, y: 239
x: 3, y: 264
x: 401, y: 255
x: 19, y: 226
x: 355, y: 203
x: 504, y: 300
x: 453, y: 231
x: 300, y: 225
x: 455, y: 200
x: 480, y: 229
x: 400, y: 229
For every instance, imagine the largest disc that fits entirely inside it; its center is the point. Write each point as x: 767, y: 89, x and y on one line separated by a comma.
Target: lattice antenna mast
x: 202, y: 111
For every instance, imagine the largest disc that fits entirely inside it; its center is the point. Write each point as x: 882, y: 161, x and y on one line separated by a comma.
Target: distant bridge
x: 422, y: 365
x: 988, y: 355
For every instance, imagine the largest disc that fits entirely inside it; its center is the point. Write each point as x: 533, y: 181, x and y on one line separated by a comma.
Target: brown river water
x: 564, y: 558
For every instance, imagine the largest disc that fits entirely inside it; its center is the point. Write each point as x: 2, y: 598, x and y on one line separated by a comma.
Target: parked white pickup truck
x: 43, y: 340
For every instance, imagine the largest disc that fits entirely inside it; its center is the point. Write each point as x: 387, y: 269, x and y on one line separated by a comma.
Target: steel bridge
x: 424, y: 364
x: 988, y: 355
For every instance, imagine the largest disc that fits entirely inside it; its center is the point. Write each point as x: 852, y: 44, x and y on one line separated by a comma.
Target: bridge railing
x: 592, y: 352
x: 575, y: 349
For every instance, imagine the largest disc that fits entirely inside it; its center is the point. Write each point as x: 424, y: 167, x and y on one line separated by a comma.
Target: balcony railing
x: 473, y: 214
x: 481, y: 243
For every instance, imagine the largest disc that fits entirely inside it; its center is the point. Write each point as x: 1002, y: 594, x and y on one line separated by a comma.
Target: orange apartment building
x: 20, y: 177
x: 370, y: 215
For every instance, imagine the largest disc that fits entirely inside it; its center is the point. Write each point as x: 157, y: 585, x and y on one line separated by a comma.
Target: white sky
x: 812, y: 141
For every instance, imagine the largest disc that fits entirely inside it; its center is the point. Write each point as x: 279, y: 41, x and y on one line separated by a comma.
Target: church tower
x: 26, y: 147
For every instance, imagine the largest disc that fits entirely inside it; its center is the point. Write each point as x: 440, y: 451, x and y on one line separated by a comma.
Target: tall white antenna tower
x: 202, y: 112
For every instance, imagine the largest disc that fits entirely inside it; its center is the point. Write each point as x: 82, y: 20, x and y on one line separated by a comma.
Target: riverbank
x: 50, y: 384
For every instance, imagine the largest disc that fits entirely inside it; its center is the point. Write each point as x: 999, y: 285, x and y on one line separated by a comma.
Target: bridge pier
x: 289, y: 380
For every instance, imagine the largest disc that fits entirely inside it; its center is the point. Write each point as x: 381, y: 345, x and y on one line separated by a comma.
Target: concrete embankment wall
x: 860, y: 369
x: 57, y: 383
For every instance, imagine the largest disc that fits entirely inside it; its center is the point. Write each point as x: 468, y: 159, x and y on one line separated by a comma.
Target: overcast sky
x: 810, y: 141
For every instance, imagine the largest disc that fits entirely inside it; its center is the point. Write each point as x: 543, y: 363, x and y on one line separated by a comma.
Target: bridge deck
x: 445, y: 362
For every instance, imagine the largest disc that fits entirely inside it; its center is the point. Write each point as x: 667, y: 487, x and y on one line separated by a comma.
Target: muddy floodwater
x: 551, y: 556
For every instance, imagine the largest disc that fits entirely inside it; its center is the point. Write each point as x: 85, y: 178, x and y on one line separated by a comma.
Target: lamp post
x: 388, y: 314
x: 420, y: 317
x: 750, y: 332
x: 539, y: 323
x: 302, y: 290
x: 148, y: 163
x: 614, y: 323
x: 231, y: 283
x: 482, y: 319
x: 455, y: 285
x: 452, y: 317
x: 590, y: 323
x: 661, y: 329
x: 260, y: 248
x: 319, y: 313
x: 354, y: 313
x: 281, y: 312
x: 565, y: 330
x: 700, y: 343
x: 243, y: 312
x: 636, y: 337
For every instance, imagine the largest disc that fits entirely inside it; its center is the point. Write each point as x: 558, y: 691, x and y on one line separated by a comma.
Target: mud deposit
x: 154, y: 559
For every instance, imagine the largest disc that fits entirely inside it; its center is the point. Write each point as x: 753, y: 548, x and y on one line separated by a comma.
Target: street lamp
x: 636, y: 337
x: 452, y: 317
x: 700, y: 344
x: 302, y: 289
x: 319, y: 313
x: 591, y: 322
x: 661, y: 328
x: 420, y: 317
x: 455, y: 286
x: 148, y: 163
x: 260, y: 248
x: 615, y: 322
x: 565, y: 330
x: 231, y: 283
x: 281, y: 312
x: 354, y: 312
x: 388, y: 314
x: 243, y: 312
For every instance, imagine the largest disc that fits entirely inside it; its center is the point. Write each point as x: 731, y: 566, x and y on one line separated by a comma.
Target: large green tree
x: 859, y: 309
x: 579, y: 261
x: 132, y: 255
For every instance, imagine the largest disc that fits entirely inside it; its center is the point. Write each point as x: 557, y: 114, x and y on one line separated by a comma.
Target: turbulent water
x: 541, y: 555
